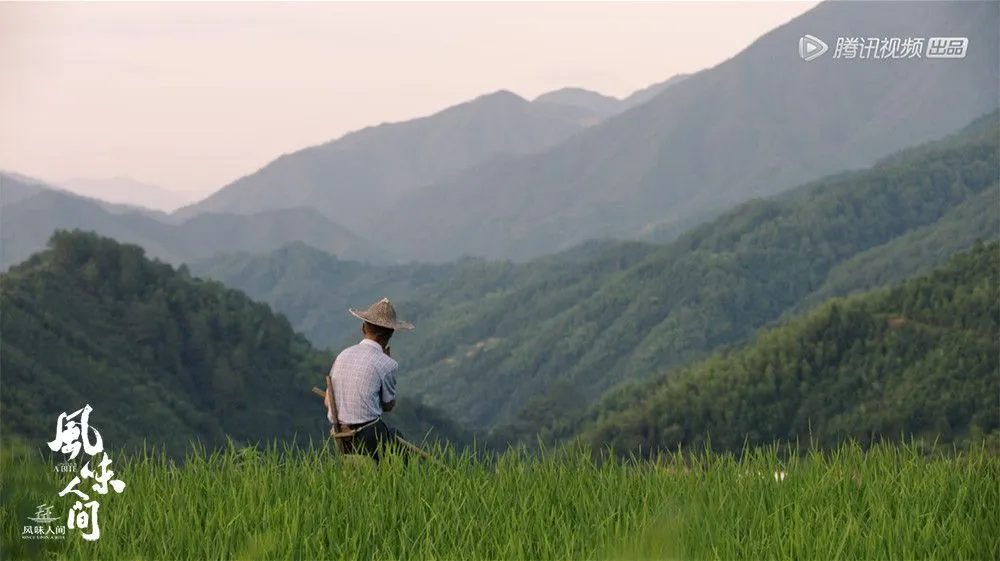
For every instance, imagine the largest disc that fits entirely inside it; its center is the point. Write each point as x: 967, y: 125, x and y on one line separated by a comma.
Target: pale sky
x: 191, y: 96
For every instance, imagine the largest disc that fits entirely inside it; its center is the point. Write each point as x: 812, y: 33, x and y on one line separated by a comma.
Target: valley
x: 748, y: 310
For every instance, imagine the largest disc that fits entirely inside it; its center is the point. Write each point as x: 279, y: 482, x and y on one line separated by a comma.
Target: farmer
x: 364, y: 381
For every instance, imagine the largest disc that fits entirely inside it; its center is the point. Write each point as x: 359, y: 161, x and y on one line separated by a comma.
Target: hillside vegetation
x: 314, y: 289
x: 713, y: 287
x: 916, y: 360
x: 497, y: 341
x: 162, y: 358
x: 916, y: 251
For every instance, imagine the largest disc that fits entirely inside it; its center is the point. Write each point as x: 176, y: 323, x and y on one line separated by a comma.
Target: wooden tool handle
x: 413, y: 448
x: 409, y: 445
x: 336, y: 418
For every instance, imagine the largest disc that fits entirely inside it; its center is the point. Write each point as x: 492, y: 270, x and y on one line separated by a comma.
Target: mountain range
x: 494, y: 335
x: 501, y: 176
x: 15, y: 187
x: 603, y: 106
x: 562, y: 259
x: 755, y: 125
x: 636, y: 346
x: 31, y: 212
x: 352, y: 177
x: 383, y: 160
x: 126, y: 190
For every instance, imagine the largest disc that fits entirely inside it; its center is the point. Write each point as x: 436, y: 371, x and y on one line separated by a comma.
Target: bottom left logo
x: 43, y: 528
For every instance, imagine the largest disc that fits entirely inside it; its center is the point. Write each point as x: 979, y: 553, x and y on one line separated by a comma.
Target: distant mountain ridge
x: 755, y: 125
x: 493, y: 336
x: 642, y: 96
x: 351, y: 177
x: 126, y: 190
x: 15, y: 187
x: 486, y: 116
x: 600, y: 104
x: 604, y: 105
x: 31, y: 213
x: 356, y: 174
x: 531, y: 179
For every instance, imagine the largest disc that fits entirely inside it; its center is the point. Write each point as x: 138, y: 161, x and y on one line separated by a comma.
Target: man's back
x: 364, y: 378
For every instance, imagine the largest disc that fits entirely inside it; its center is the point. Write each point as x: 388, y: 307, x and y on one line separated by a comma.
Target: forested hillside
x: 713, y: 287
x: 497, y: 342
x: 915, y: 252
x: 917, y: 359
x: 314, y: 289
x: 161, y: 357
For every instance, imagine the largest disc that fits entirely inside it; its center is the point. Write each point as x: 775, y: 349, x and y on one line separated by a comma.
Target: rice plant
x: 888, y: 502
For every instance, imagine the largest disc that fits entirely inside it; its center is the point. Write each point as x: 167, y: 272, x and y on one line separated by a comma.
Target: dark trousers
x: 367, y: 440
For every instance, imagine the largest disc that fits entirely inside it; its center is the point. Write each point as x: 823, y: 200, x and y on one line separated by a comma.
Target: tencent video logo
x: 811, y: 48
x: 885, y: 48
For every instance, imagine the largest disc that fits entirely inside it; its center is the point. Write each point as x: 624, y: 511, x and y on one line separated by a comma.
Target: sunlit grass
x: 885, y: 503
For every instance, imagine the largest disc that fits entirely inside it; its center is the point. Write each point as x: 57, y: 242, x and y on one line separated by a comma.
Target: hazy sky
x: 191, y: 96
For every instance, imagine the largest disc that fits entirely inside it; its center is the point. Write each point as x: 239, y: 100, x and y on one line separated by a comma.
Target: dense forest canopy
x: 713, y: 287
x: 915, y: 360
x: 520, y: 350
x: 163, y: 358
x: 507, y: 347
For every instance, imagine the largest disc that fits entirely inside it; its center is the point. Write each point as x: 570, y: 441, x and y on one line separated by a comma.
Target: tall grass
x: 883, y: 503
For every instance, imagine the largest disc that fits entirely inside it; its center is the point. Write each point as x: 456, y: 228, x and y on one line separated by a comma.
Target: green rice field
x: 889, y: 502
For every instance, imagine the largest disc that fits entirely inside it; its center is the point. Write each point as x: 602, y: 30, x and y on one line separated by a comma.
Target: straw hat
x: 383, y: 314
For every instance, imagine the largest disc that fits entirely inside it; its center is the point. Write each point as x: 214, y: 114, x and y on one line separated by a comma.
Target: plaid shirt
x: 364, y: 377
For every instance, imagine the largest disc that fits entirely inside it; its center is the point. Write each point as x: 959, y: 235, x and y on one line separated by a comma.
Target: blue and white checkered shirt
x: 364, y: 377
